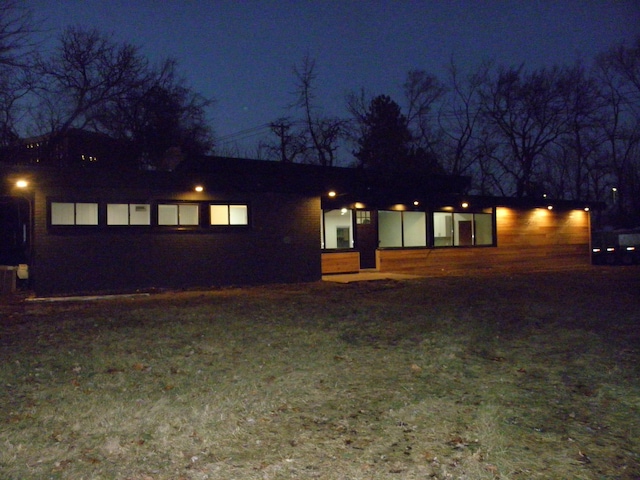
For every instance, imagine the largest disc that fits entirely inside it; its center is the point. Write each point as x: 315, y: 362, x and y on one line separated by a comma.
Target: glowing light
x: 465, y: 205
x: 199, y: 188
x: 586, y: 209
x: 332, y: 194
x: 22, y: 184
x: 550, y: 207
x: 416, y: 203
x: 343, y: 211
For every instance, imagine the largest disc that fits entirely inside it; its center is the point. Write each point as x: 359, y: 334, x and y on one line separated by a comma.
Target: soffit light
x: 465, y: 205
x: 199, y: 188
x: 332, y: 193
x: 22, y: 184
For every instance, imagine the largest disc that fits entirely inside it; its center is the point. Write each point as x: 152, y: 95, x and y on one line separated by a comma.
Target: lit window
x: 128, y: 214
x: 363, y: 217
x: 229, y: 214
x: 402, y: 229
x: 69, y: 213
x: 178, y: 214
x: 337, y: 232
x: 462, y: 229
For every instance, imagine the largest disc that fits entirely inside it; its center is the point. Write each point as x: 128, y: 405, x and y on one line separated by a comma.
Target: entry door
x: 465, y: 233
x: 367, y: 237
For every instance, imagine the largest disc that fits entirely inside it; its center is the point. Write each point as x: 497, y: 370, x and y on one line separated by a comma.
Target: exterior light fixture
x: 332, y: 193
x: 550, y: 207
x: 586, y: 209
x: 22, y: 184
x: 199, y: 188
x: 416, y: 203
x: 465, y: 205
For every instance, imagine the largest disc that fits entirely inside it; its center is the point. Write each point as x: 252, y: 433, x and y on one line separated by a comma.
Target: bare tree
x: 618, y: 71
x: 575, y: 155
x: 323, y: 132
x: 161, y: 119
x: 460, y: 121
x: 88, y: 71
x: 16, y: 30
x: 526, y: 113
x: 291, y: 142
x: 422, y: 92
x: 16, y: 59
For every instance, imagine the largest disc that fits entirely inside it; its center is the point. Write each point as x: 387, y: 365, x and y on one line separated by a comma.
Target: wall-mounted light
x: 22, y: 184
x: 199, y: 188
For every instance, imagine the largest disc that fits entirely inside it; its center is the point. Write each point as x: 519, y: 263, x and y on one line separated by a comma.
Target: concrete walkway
x: 367, y: 276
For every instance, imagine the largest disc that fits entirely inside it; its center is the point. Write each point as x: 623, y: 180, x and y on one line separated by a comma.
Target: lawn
x: 484, y: 377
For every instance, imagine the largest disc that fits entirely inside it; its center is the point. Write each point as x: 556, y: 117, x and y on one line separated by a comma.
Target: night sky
x: 242, y: 52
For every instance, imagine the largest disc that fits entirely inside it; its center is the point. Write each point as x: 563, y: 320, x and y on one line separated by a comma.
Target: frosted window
x: 74, y: 213
x: 118, y: 214
x: 63, y: 213
x: 128, y: 214
x: 389, y: 228
x: 219, y: 214
x: 167, y: 214
x: 238, y: 215
x: 414, y: 227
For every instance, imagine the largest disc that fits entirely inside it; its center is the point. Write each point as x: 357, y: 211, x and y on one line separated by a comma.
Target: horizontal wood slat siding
x: 340, y: 262
x: 449, y: 260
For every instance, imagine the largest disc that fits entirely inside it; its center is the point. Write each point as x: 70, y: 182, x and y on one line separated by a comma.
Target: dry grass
x: 518, y: 377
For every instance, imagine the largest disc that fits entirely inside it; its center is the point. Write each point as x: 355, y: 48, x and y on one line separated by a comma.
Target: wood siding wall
x: 280, y: 246
x: 340, y: 262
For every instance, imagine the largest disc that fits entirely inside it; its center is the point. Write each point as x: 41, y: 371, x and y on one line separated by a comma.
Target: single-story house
x: 221, y: 222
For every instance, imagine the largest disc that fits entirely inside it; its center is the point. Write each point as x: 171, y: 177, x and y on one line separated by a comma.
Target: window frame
x: 129, y: 206
x: 75, y: 224
x: 229, y: 215
x: 454, y: 228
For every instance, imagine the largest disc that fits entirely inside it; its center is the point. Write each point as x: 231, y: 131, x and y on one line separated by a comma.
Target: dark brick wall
x: 282, y: 245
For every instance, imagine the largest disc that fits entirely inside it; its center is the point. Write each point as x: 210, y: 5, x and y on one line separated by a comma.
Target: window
x: 178, y: 214
x: 402, y: 229
x: 363, y: 217
x: 414, y: 229
x: 389, y: 229
x: 229, y: 214
x: 128, y: 214
x: 337, y: 231
x: 462, y: 229
x: 69, y: 213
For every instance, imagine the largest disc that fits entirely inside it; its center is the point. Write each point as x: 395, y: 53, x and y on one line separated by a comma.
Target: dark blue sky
x: 242, y: 52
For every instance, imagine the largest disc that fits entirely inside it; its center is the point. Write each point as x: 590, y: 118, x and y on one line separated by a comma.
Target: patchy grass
x: 516, y: 377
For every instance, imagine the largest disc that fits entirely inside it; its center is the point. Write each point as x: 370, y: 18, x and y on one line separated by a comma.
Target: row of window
x: 140, y: 214
x: 397, y: 229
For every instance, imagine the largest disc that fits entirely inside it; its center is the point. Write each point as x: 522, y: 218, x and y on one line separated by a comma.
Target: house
x: 220, y: 221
